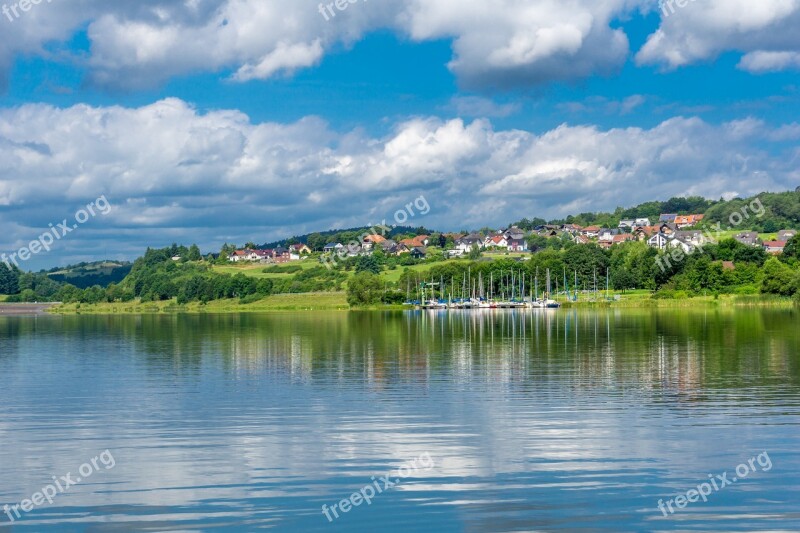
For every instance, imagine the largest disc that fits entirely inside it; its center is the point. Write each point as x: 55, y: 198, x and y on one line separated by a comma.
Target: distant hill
x: 85, y: 275
x: 319, y: 239
x: 781, y: 211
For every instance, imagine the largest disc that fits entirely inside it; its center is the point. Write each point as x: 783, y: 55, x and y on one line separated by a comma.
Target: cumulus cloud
x: 496, y: 43
x: 175, y: 174
x: 766, y: 31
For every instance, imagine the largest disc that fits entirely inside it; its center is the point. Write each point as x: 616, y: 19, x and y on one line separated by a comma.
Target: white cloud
x: 497, y: 43
x: 174, y: 174
x: 765, y: 30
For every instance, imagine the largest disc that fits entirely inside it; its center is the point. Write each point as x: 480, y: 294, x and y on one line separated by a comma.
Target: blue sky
x: 234, y: 120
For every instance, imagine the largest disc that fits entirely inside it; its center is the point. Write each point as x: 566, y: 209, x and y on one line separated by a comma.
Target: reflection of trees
x: 667, y: 350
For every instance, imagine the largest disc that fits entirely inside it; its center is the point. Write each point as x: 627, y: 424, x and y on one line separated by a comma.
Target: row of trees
x: 728, y: 267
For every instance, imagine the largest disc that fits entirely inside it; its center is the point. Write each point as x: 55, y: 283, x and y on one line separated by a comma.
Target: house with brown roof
x: 591, y: 231
x: 688, y: 220
x: 496, y: 241
x: 774, y: 247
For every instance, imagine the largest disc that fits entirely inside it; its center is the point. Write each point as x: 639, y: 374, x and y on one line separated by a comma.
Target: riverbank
x: 25, y: 309
x: 321, y: 301
x: 337, y: 301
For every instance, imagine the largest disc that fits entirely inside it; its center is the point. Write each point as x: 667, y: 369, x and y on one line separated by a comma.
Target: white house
x: 626, y: 224
x: 677, y: 242
x: 496, y: 241
x: 659, y: 241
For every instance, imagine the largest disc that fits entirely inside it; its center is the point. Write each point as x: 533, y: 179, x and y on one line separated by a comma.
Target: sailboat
x: 549, y: 303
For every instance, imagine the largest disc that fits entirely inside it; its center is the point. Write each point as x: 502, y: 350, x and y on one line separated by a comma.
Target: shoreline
x: 330, y: 302
x: 24, y: 309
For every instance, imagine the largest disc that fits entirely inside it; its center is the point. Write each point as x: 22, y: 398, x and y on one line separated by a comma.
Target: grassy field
x: 257, y: 271
x: 324, y: 301
x: 3, y: 297
x: 337, y: 301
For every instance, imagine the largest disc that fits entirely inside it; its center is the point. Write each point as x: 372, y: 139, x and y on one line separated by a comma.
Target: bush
x: 283, y: 269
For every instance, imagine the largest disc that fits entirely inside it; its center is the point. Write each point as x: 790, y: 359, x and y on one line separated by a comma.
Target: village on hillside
x: 670, y: 231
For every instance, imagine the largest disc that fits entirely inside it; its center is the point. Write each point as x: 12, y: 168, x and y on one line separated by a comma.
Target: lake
x: 483, y: 421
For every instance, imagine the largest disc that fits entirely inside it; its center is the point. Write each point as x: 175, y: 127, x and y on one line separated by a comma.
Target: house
x: 677, y: 242
x: 517, y: 245
x: 333, y: 247
x: 250, y: 255
x: 238, y: 255
x: 606, y: 242
x: 623, y: 238
x: 668, y: 228
x: 785, y: 235
x: 669, y: 219
x: 397, y: 249
x: 591, y: 231
x: 496, y: 241
x: 372, y: 240
x: 391, y: 247
x: 466, y: 244
x: 419, y: 241
x: 688, y: 220
x: 774, y: 247
x: 281, y: 255
x: 658, y: 241
x: 514, y: 233
x: 581, y: 239
x: 607, y: 234
x: 300, y: 249
x: 419, y: 253
x: 641, y: 222
x: 695, y: 238
x: 748, y: 238
x: 262, y: 255
x: 549, y: 233
x: 571, y: 228
x: 645, y: 232
x: 626, y: 224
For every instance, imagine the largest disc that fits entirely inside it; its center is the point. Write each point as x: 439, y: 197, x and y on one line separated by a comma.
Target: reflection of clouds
x: 275, y: 412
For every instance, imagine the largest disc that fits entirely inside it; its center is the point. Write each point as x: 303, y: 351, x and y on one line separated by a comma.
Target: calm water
x: 566, y: 420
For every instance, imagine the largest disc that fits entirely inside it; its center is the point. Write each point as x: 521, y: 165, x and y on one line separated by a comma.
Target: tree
x: 194, y: 253
x: 9, y: 279
x: 622, y: 279
x: 364, y: 289
x: 778, y: 278
x: 368, y: 263
x: 316, y: 242
x: 536, y: 243
x: 475, y: 253
x: 791, y: 251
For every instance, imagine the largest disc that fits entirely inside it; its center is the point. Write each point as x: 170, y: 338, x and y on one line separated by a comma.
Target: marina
x: 511, y: 290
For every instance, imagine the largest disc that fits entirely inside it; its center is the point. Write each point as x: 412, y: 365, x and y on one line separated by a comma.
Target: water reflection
x: 536, y: 420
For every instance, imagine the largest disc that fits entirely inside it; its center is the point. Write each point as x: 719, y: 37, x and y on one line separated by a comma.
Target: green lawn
x: 322, y: 301
x: 257, y: 271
